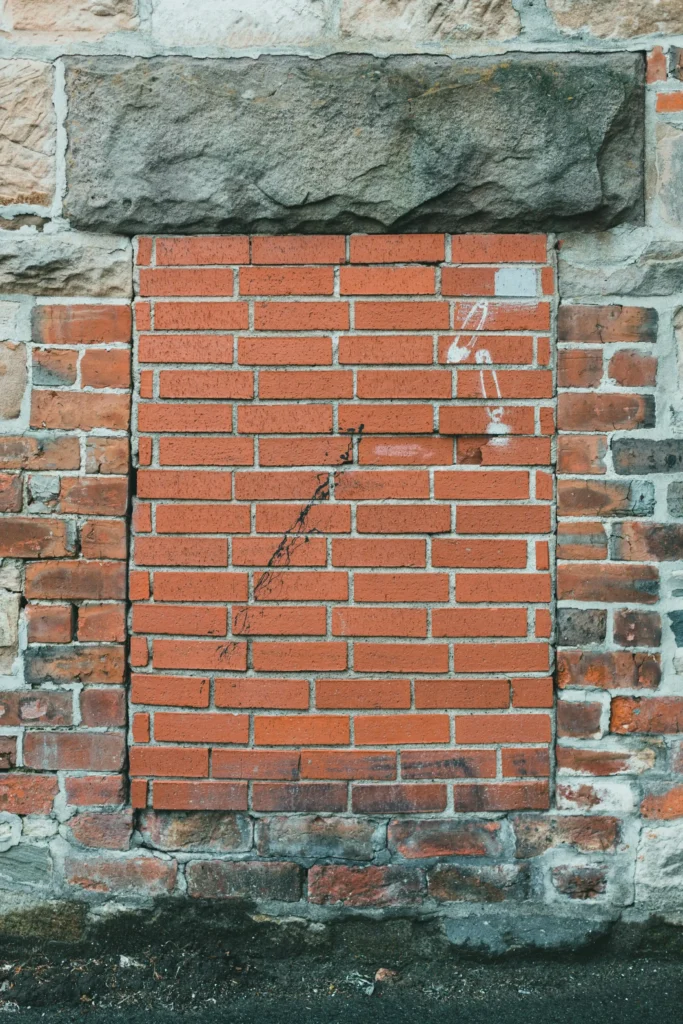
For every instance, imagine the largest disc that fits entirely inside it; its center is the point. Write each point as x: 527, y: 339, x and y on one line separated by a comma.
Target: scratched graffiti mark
x: 297, y: 534
x: 457, y: 353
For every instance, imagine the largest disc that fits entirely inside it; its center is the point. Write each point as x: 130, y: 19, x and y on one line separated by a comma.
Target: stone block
x: 626, y: 261
x: 64, y: 19
x: 659, y: 868
x: 316, y: 838
x: 240, y: 24
x: 617, y: 19
x: 25, y: 867
x: 481, y: 884
x: 354, y: 142
x: 27, y: 132
x: 13, y: 379
x: 41, y: 263
x: 413, y: 21
x: 581, y: 626
x: 580, y: 881
x: 587, y: 834
x: 247, y: 880
x: 635, y: 455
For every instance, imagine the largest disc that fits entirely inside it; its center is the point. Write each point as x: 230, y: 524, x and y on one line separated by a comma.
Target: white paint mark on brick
x: 516, y: 281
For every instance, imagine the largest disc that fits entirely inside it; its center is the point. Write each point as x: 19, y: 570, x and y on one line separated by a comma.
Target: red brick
x: 300, y: 316
x: 102, y: 622
x: 608, y: 583
x: 190, y: 762
x: 282, y: 694
x: 285, y: 351
x: 186, y: 418
x: 294, y: 249
x: 201, y: 316
x: 49, y: 624
x: 89, y: 751
x: 94, y: 790
x: 398, y: 799
x: 94, y: 495
x: 431, y: 837
x: 193, y: 586
x: 274, y: 621
x: 284, y: 419
x: 498, y: 248
x: 418, y: 315
x: 71, y: 410
x: 225, y: 655
x: 206, y: 250
x: 510, y: 384
x: 501, y: 796
x: 608, y: 670
x: 306, y: 796
x: 81, y: 325
x: 589, y: 411
x: 520, y: 657
x: 300, y: 384
x: 462, y: 693
x: 348, y: 764
x: 362, y: 693
x: 398, y: 657
x: 520, y: 588
x: 187, y: 282
x: 255, y: 764
x: 398, y: 348
x: 181, y: 551
x: 581, y: 540
x: 103, y: 707
x: 80, y: 580
x: 386, y: 419
x: 179, y: 484
x: 100, y: 874
x: 22, y: 793
x: 41, y: 453
x: 186, y: 348
x: 104, y: 538
x: 325, y: 656
x: 448, y: 764
x: 505, y: 316
x: 389, y: 553
x: 379, y: 485
x: 395, y: 587
x: 170, y: 691
x: 579, y: 719
x: 177, y: 727
x: 299, y: 549
x: 204, y: 518
x: 525, y: 761
x: 180, y: 619
x: 606, y: 324
x: 398, y: 248
x: 471, y: 623
x: 475, y: 485
x: 289, y: 281
x: 480, y: 554
x: 581, y: 454
x: 105, y: 368
x: 579, y: 368
x: 300, y: 730
x: 532, y: 693
x: 662, y: 715
x: 373, y: 730
x: 633, y: 369
x: 387, y: 281
x: 55, y: 366
x: 35, y: 538
x: 323, y: 518
x: 36, y: 708
x: 199, y: 451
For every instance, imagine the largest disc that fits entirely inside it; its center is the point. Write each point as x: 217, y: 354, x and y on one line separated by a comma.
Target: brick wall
x: 63, y: 542
x: 341, y: 575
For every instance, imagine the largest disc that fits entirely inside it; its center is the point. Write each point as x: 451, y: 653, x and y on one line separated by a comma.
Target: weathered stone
x: 412, y: 21
x: 199, y: 831
x: 65, y: 264
x: 137, y: 875
x: 580, y: 882
x: 109, y: 830
x: 316, y: 838
x: 27, y: 132
x: 659, y: 868
x: 636, y: 455
x: 65, y: 18
x: 9, y: 320
x: 618, y: 19
x: 626, y: 261
x: 637, y: 628
x: 676, y: 620
x: 535, y: 833
x: 9, y: 620
x: 674, y: 499
x: 253, y: 880
x: 240, y: 23
x: 498, y: 934
x: 25, y: 866
x: 668, y: 193
x: 10, y: 830
x: 581, y: 626
x: 13, y: 378
x: 354, y: 142
x: 481, y: 884
x: 10, y: 575
x: 369, y: 886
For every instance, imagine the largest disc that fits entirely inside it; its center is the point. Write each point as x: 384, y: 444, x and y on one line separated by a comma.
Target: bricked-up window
x: 341, y: 566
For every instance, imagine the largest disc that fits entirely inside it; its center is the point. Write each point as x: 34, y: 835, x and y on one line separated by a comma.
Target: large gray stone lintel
x: 353, y: 142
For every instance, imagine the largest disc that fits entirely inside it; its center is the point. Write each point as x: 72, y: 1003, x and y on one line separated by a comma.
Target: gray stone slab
x: 354, y: 142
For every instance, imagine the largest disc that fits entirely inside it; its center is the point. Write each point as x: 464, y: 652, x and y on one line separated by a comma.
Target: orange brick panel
x: 341, y: 572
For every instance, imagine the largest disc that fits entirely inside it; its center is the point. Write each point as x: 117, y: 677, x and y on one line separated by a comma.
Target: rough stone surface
x: 659, y: 867
x: 25, y: 866
x: 65, y: 264
x: 13, y: 378
x: 65, y: 18
x: 411, y: 21
x: 353, y: 142
x: 27, y: 126
x: 314, y: 838
x: 485, y: 884
x: 674, y: 499
x: 626, y: 261
x: 618, y: 19
x: 497, y: 934
x: 581, y: 626
x: 240, y: 23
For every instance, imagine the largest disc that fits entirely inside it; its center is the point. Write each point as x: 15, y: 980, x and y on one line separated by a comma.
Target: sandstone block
x: 626, y: 261
x: 354, y: 142
x: 240, y: 23
x: 618, y: 19
x: 201, y: 831
x: 400, y: 21
x: 13, y: 378
x: 65, y: 264
x: 27, y: 132
x: 67, y: 18
x: 659, y: 868
x: 668, y: 193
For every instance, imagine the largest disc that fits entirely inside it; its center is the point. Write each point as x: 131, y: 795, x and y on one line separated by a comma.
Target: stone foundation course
x: 341, y: 535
